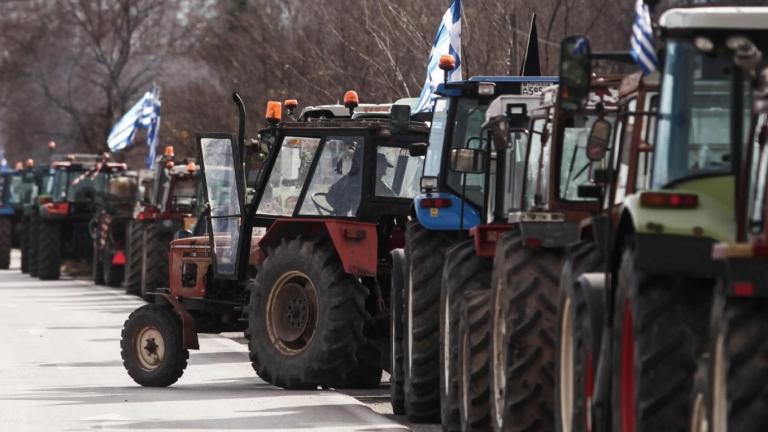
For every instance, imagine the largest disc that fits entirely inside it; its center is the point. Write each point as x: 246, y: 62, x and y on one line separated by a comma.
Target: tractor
x: 730, y: 387
x: 171, y: 204
x: 653, y: 298
x: 76, y: 183
x: 518, y: 313
x: 39, y: 177
x: 450, y: 203
x: 302, y: 266
x: 10, y: 180
x: 109, y: 228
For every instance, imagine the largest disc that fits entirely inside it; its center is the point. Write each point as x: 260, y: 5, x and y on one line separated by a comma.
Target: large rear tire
x: 305, y: 317
x: 24, y: 239
x: 529, y: 312
x: 738, y: 378
x: 97, y: 266
x: 474, y: 339
x: 34, y: 233
x: 660, y: 331
x: 133, y: 255
x: 157, y: 245
x: 399, y: 274
x: 49, y: 250
x: 463, y: 271
x: 152, y: 348
x: 576, y: 342
x: 6, y: 242
x: 425, y: 251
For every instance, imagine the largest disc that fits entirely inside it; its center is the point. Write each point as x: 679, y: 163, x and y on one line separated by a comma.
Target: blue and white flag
x: 145, y: 114
x: 447, y: 41
x: 642, y: 46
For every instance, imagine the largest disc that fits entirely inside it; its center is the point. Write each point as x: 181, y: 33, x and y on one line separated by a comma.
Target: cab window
x: 282, y: 190
x: 336, y: 185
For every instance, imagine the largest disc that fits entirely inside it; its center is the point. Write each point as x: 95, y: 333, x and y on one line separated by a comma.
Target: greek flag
x: 642, y: 49
x: 145, y: 114
x: 447, y: 41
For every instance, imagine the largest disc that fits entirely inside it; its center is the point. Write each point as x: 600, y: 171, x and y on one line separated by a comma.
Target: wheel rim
x: 292, y: 313
x: 150, y: 348
x: 499, y: 356
x: 446, y: 342
x: 627, y: 372
x: 566, y: 367
x: 719, y: 388
x: 699, y: 418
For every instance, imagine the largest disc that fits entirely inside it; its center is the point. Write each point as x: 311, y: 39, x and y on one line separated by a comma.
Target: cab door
x: 223, y: 189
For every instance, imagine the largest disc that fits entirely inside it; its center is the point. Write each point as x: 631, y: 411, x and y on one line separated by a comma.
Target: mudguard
x: 189, y: 333
x: 447, y: 218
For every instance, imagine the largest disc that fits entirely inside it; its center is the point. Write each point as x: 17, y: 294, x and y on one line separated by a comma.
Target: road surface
x: 60, y: 370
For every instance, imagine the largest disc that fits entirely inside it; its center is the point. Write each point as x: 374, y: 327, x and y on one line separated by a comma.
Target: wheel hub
x: 150, y: 347
x: 292, y: 313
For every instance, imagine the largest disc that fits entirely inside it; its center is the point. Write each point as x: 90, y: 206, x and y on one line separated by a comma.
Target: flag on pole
x: 447, y: 41
x: 145, y: 114
x: 531, y: 65
x: 642, y: 49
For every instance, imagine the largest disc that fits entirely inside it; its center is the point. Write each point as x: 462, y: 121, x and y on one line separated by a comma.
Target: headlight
x: 428, y: 183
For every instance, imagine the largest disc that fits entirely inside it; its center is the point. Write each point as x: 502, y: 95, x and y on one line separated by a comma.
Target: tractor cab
x: 172, y: 190
x: 77, y: 183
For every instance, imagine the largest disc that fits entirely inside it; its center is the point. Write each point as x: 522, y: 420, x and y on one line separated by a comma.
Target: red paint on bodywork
x: 356, y: 243
x: 486, y: 236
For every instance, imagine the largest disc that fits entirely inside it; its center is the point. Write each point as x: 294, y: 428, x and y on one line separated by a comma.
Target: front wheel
x: 151, y: 346
x: 6, y: 242
x: 399, y: 272
x: 49, y: 251
x: 660, y: 331
x: 133, y: 261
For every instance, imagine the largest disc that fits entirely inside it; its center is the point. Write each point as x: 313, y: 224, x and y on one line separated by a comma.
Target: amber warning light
x: 274, y: 112
x: 447, y: 62
x: 168, y: 151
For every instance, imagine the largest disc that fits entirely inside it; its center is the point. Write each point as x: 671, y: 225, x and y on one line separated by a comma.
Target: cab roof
x: 724, y: 18
x: 504, y: 84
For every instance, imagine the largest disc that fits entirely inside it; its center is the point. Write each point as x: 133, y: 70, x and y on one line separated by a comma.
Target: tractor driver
x: 344, y: 195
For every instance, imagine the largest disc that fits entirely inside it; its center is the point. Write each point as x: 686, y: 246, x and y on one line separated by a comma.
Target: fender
x: 485, y: 237
x: 445, y: 218
x: 356, y: 243
x: 188, y: 331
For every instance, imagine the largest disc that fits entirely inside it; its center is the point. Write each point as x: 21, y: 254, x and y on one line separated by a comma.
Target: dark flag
x: 531, y: 65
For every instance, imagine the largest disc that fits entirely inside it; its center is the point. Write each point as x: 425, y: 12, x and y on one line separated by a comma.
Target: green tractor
x: 655, y: 293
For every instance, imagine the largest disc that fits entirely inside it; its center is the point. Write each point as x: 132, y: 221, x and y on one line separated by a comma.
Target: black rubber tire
x: 581, y: 258
x: 133, y: 255
x: 742, y: 323
x: 396, y: 292
x: 33, y: 233
x: 473, y: 359
x: 97, y: 265
x: 6, y: 242
x: 529, y: 296
x: 368, y: 372
x: 670, y: 328
x: 113, y: 273
x: 425, y: 252
x: 463, y: 271
x: 24, y: 239
x: 157, y: 246
x: 499, y: 362
x: 49, y: 250
x: 337, y: 340
x: 168, y: 323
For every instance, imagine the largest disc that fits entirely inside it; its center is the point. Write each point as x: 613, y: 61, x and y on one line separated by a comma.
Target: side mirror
x: 599, y: 137
x: 575, y: 72
x: 417, y: 149
x: 468, y: 161
x: 399, y: 118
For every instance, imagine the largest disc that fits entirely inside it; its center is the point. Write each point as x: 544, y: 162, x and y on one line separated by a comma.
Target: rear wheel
x: 49, y: 251
x: 473, y: 361
x: 34, y: 228
x: 151, y: 346
x: 399, y: 272
x: 661, y: 330
x: 463, y: 271
x: 24, y: 238
x: 529, y: 326
x: 157, y: 245
x: 575, y: 342
x: 97, y: 268
x: 133, y: 257
x: 425, y: 251
x: 738, y: 378
x: 306, y: 317
x: 6, y: 242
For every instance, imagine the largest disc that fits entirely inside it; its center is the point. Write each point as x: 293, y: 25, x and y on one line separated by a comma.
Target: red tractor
x: 303, y: 265
x: 172, y: 203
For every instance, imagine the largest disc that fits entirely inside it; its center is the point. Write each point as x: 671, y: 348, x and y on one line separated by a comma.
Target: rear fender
x: 447, y: 218
x: 485, y: 237
x: 356, y: 243
x: 188, y: 331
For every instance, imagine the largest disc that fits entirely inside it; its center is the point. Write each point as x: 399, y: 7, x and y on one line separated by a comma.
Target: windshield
x: 694, y: 123
x: 281, y: 193
x: 185, y: 193
x: 467, y: 133
x: 397, y: 173
x: 4, y: 190
x: 515, y: 157
x: 336, y: 185
x: 536, y: 183
x: 436, y: 137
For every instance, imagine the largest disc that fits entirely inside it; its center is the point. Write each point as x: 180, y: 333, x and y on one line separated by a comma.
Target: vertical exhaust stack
x: 531, y: 65
x: 240, y: 123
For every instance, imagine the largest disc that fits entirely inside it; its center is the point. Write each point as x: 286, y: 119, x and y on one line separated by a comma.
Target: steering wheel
x: 321, y: 208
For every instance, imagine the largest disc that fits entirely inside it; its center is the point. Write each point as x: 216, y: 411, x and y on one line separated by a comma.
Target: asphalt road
x: 60, y: 370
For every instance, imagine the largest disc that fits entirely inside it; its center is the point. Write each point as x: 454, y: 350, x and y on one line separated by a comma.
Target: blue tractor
x: 9, y: 214
x: 452, y: 202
